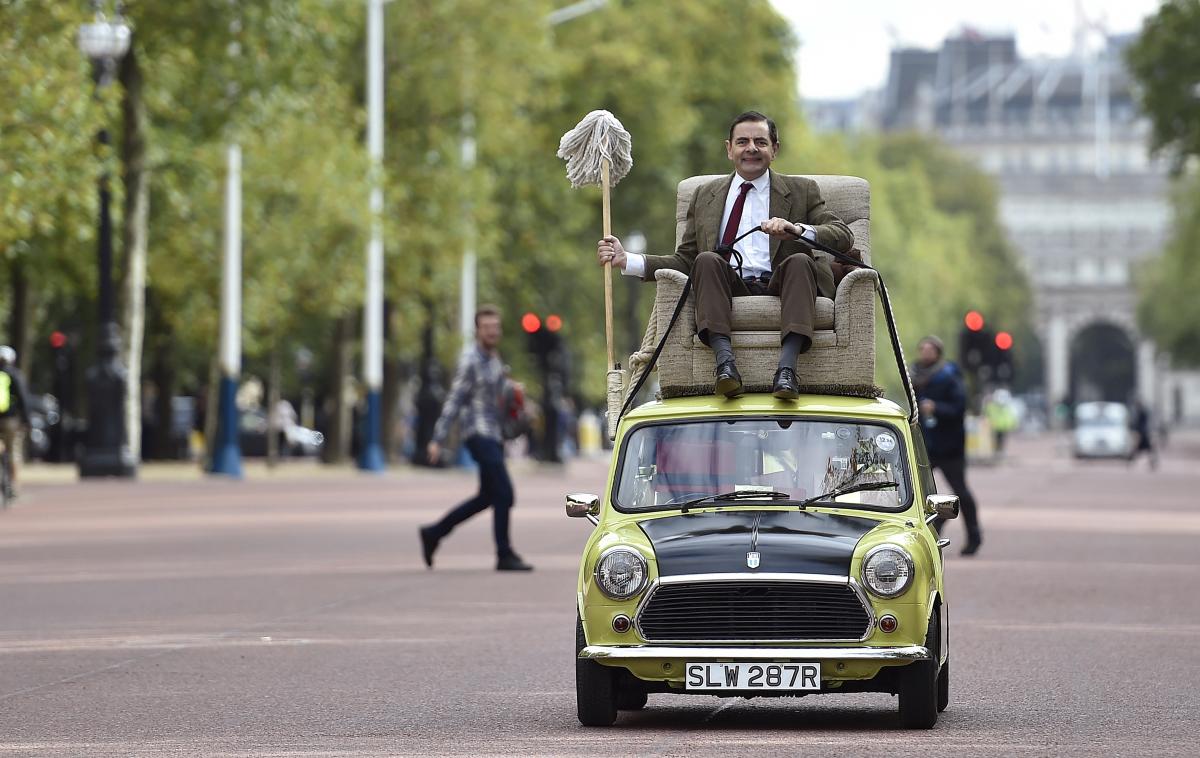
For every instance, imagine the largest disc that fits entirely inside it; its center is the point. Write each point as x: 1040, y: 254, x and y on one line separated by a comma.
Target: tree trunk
x: 135, y: 228
x: 211, y: 411
x: 273, y: 428
x: 337, y: 441
x: 391, y: 388
x: 163, y: 445
x: 19, y: 333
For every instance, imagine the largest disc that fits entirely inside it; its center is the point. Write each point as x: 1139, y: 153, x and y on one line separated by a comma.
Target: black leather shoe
x: 971, y: 547
x: 429, y: 543
x: 729, y: 380
x: 786, y: 385
x: 512, y: 562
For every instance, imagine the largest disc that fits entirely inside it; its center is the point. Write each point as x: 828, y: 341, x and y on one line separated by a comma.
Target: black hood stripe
x: 804, y: 542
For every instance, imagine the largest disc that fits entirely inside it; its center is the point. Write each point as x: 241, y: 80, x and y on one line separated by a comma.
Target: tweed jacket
x: 795, y: 198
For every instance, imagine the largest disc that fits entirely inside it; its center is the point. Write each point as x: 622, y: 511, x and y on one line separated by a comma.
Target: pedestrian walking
x: 1145, y: 440
x: 942, y: 402
x: 475, y: 401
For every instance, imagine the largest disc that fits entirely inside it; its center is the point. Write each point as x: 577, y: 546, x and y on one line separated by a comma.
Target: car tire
x: 944, y: 686
x: 595, y: 687
x: 919, y: 685
x: 631, y: 698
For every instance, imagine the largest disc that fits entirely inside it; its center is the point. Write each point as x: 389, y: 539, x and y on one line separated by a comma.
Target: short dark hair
x: 486, y: 310
x: 937, y: 343
x: 755, y: 116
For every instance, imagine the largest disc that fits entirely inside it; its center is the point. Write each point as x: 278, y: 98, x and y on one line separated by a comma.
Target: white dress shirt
x: 755, y: 249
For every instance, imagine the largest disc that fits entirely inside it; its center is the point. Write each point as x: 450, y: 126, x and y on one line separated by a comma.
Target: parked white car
x: 1102, y: 431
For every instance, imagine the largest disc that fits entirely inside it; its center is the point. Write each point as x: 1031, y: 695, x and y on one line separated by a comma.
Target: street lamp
x: 106, y: 448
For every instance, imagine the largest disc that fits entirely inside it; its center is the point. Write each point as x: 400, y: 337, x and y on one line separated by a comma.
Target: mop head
x: 598, y: 136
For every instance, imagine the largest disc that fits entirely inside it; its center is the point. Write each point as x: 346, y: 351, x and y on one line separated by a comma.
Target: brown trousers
x: 795, y: 283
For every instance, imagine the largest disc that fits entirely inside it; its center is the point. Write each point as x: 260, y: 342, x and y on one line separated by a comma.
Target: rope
x: 598, y: 137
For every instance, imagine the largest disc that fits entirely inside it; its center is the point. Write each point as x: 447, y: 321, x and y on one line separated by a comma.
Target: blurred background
x: 1034, y: 198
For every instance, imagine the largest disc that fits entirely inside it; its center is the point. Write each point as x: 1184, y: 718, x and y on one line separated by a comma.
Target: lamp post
x: 470, y: 263
x: 370, y: 457
x: 106, y: 448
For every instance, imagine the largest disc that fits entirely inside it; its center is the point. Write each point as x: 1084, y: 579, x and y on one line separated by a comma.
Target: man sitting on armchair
x: 789, y: 209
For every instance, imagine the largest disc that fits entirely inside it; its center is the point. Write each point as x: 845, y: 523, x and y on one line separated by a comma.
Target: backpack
x: 514, y: 417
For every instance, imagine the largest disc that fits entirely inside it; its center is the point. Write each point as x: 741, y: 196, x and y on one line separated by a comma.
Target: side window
x: 924, y: 471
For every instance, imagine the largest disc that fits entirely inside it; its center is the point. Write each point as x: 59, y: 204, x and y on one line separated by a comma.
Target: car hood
x: 804, y: 542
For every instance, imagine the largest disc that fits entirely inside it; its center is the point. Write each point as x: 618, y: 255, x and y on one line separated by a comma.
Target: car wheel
x: 919, y: 690
x: 595, y: 687
x: 944, y: 686
x: 631, y: 698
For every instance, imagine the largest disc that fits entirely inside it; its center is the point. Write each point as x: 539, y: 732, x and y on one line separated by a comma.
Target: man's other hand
x: 927, y: 407
x: 433, y: 452
x: 781, y: 228
x: 609, y: 250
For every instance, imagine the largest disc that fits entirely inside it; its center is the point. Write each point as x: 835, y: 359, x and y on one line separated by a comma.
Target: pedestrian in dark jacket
x: 942, y: 401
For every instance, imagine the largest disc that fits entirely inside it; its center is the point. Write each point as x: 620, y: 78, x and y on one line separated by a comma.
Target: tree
x: 1168, y: 309
x: 1165, y: 61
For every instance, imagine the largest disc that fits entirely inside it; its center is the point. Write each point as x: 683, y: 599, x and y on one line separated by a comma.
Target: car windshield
x: 666, y: 465
x: 1101, y: 415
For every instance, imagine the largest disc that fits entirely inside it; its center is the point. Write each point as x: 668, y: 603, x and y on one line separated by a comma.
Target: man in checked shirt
x: 474, y: 400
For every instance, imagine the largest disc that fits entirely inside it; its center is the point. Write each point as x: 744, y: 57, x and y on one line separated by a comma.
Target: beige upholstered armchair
x: 842, y: 357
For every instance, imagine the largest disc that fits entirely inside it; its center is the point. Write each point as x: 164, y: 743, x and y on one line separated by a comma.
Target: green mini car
x: 757, y: 547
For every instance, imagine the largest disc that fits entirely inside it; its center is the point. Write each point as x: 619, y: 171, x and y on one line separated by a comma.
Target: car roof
x: 757, y: 404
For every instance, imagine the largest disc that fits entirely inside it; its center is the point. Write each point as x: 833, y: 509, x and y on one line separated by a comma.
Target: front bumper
x: 617, y: 654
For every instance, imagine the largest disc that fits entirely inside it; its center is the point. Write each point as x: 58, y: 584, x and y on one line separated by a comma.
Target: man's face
x: 751, y: 149
x: 487, y: 332
x: 929, y: 353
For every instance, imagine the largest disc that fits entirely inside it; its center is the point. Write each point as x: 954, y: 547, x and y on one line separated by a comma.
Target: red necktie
x: 735, y: 217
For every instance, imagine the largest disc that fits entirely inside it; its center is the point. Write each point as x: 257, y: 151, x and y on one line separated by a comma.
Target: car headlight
x: 887, y: 570
x: 621, y: 573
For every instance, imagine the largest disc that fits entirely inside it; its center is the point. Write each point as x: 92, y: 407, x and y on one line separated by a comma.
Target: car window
x: 663, y: 465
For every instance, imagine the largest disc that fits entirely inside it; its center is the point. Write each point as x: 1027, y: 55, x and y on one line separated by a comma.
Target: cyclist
x: 14, y: 414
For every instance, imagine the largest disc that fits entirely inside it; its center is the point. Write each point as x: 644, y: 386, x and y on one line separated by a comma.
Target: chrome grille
x: 753, y: 610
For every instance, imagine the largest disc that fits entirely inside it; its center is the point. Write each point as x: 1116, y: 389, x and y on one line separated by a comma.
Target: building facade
x: 1080, y: 197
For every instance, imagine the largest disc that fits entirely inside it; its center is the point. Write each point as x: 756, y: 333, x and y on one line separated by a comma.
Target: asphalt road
x: 290, y: 615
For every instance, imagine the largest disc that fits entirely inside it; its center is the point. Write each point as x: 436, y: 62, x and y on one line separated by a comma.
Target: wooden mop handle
x: 608, y: 293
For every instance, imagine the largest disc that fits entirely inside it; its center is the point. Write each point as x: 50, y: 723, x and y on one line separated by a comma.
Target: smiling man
x: 788, y: 209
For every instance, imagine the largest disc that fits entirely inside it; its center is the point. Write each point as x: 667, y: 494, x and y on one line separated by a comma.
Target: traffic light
x: 544, y: 340
x: 546, y: 345
x: 1003, y: 357
x: 974, y: 344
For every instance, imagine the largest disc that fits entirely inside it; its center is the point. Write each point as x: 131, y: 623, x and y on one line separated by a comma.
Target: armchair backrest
x: 847, y: 196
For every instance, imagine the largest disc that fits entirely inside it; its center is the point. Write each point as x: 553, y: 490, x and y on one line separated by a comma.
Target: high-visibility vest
x: 5, y: 392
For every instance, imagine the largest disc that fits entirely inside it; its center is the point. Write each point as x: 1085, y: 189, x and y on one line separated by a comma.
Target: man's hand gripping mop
x: 599, y: 151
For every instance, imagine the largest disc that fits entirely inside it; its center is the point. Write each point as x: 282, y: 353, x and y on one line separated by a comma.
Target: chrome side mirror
x: 941, y: 506
x: 584, y: 505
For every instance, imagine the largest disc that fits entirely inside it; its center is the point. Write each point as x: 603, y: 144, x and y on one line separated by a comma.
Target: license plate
x: 753, y: 676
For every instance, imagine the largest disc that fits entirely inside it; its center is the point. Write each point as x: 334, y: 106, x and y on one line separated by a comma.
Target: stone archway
x: 1103, y: 363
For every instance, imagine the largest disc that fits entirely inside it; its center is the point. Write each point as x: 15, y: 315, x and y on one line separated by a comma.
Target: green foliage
x: 285, y: 79
x: 47, y: 141
x: 1165, y: 61
x: 1168, y: 307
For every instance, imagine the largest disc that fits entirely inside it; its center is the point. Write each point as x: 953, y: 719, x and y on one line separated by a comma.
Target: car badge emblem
x: 752, y: 559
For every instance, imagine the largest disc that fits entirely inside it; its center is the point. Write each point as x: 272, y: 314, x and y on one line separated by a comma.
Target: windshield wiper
x: 735, y: 496
x: 847, y: 489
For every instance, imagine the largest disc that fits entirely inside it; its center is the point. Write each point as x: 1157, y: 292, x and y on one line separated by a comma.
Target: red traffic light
x: 553, y: 322
x: 57, y: 339
x: 1004, y: 340
x: 973, y: 320
x: 531, y: 323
